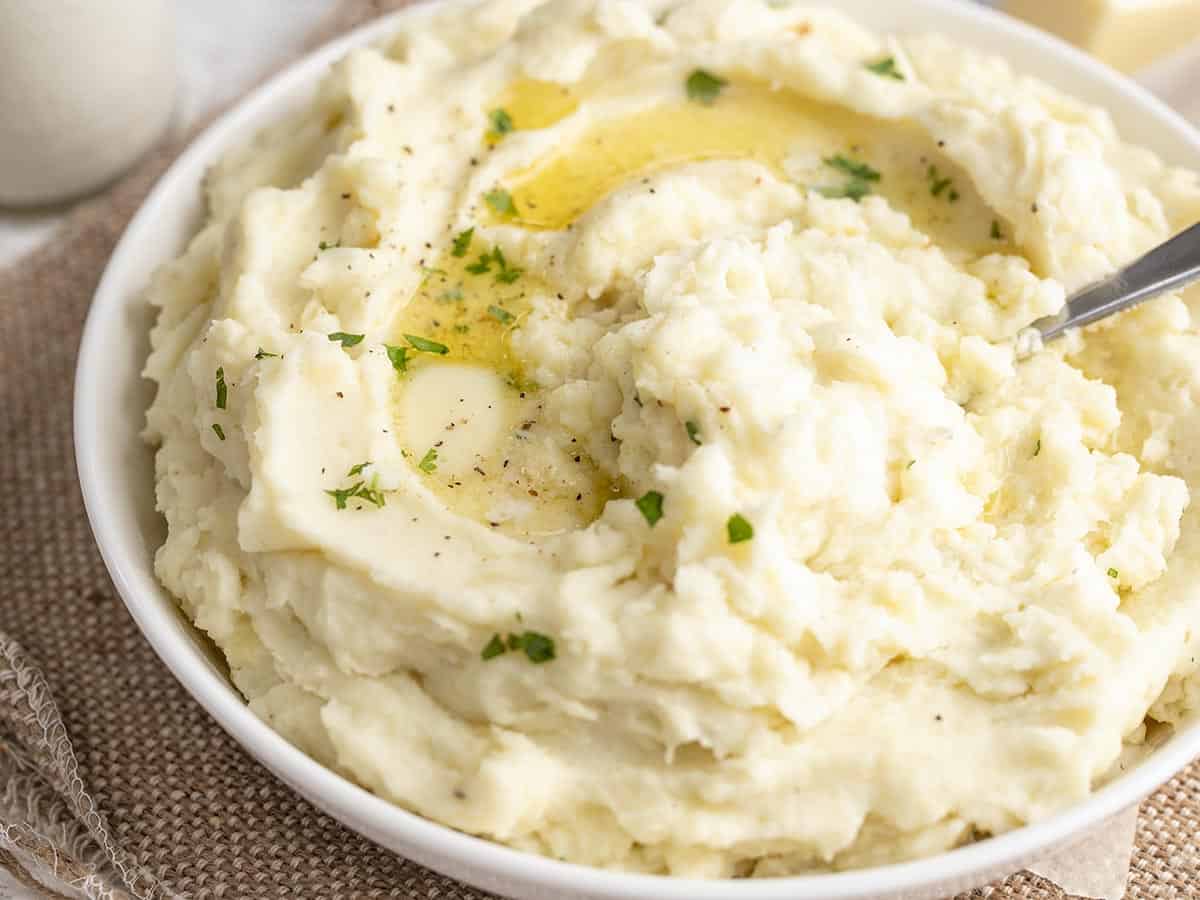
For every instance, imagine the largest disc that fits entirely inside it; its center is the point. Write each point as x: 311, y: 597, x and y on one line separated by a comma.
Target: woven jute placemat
x: 113, y: 782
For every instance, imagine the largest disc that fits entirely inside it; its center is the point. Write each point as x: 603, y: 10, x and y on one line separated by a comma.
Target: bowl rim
x: 487, y: 862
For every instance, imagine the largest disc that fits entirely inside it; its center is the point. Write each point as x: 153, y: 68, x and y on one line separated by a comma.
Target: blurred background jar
x: 86, y: 88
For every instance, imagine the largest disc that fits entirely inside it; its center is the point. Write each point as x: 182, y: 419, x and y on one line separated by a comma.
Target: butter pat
x: 1126, y: 34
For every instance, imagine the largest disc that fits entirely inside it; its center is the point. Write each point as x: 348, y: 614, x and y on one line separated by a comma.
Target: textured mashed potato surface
x: 633, y: 466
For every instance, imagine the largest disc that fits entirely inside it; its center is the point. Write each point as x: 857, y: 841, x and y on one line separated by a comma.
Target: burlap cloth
x: 113, y: 782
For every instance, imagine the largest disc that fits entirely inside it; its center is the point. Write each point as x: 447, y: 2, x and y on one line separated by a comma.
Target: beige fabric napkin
x: 113, y: 782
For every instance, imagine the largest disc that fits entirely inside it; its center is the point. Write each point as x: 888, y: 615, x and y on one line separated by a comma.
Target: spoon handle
x: 1167, y: 267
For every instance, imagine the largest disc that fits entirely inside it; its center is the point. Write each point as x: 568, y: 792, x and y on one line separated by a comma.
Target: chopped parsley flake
x: 428, y: 462
x: 693, y: 432
x: 739, y: 529
x: 855, y: 190
x: 861, y: 178
x: 357, y: 470
x: 997, y: 234
x: 462, y: 243
x: 341, y: 496
x: 481, y: 265
x: 852, y: 167
x: 222, y: 391
x: 360, y: 489
x: 650, y: 505
x: 263, y: 354
x: 398, y: 357
x: 502, y: 122
x: 1113, y: 573
x: 218, y: 431
x: 426, y: 345
x: 537, y: 647
x: 453, y: 295
x: 505, y: 274
x: 372, y: 493
x: 346, y: 340
x: 938, y: 184
x: 1037, y: 448
x: 501, y: 201
x: 495, y: 647
x: 704, y: 87
x: 327, y: 246
x: 886, y: 68
x: 500, y: 314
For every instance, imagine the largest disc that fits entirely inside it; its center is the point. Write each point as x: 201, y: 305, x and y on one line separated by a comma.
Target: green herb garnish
x: 861, y: 178
x: 425, y: 345
x: 853, y: 190
x: 341, y: 496
x: 218, y: 431
x: 500, y: 314
x: 505, y: 274
x: 357, y: 470
x: 398, y: 357
x: 453, y: 295
x: 495, y: 647
x: 263, y: 354
x: 327, y: 246
x: 222, y: 391
x: 704, y: 87
x: 537, y: 647
x: 1113, y: 573
x: 937, y: 184
x: 693, y: 432
x: 428, y: 462
x: 650, y: 505
x: 739, y: 529
x: 886, y: 67
x: 501, y: 201
x: 502, y: 122
x: 346, y: 340
x: 852, y: 167
x: 481, y: 265
x: 462, y: 243
x: 360, y: 489
x: 1037, y: 448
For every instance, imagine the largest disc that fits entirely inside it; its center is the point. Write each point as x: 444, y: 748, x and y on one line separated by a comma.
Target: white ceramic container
x: 86, y: 88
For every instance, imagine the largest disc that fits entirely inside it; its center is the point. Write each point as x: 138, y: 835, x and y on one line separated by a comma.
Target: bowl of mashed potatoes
x: 584, y: 448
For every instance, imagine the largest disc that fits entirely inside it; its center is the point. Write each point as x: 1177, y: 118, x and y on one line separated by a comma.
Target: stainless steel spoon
x: 1167, y: 267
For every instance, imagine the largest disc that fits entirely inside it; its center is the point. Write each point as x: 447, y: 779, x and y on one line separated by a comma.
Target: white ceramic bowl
x: 117, y: 476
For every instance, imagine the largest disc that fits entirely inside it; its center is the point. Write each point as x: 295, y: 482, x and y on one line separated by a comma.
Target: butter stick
x: 1126, y: 34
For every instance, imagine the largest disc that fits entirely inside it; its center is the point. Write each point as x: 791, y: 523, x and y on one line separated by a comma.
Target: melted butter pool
x: 784, y: 131
x: 469, y: 420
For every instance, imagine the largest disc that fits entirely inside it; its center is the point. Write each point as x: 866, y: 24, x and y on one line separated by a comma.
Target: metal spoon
x: 1167, y: 267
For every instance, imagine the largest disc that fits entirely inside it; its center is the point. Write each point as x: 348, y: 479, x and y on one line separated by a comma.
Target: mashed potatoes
x: 594, y: 425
